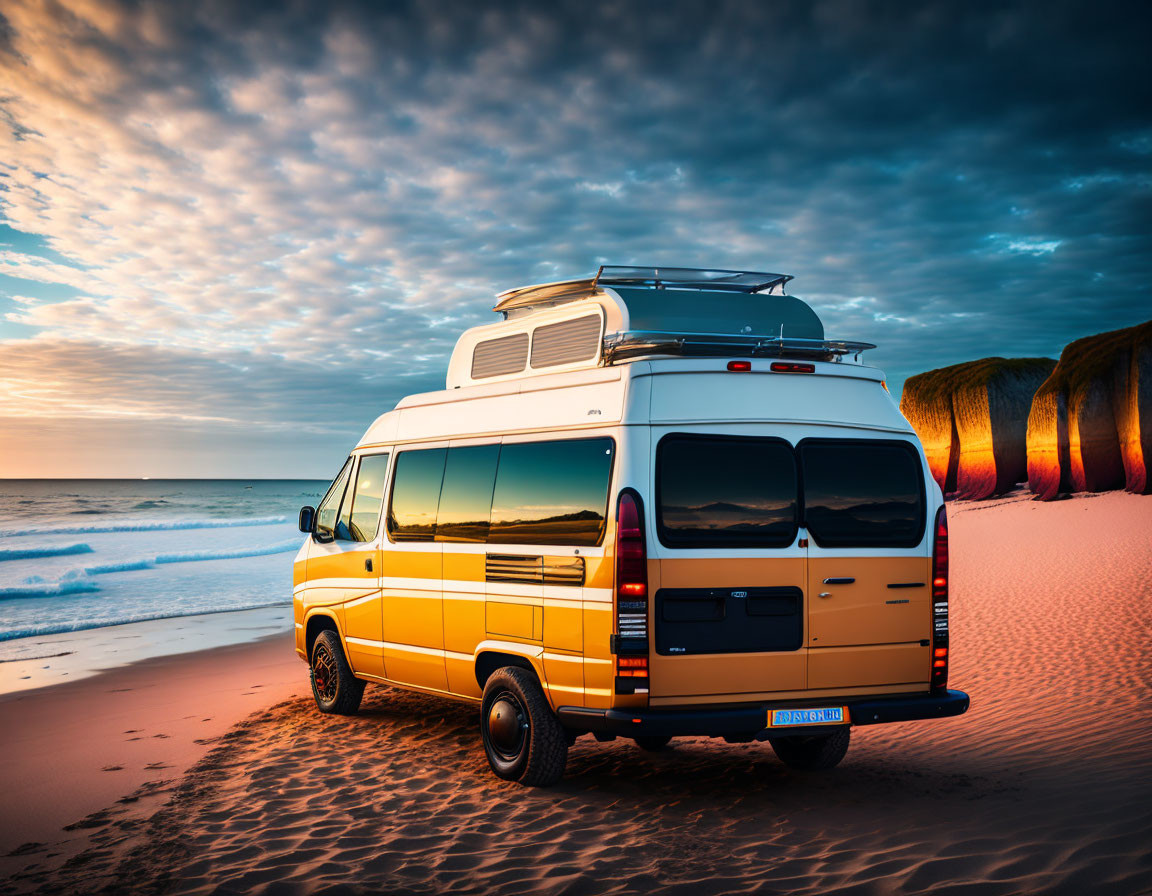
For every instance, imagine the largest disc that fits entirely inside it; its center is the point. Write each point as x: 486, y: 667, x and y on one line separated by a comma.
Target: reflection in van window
x: 416, y: 494
x: 367, y: 497
x: 330, y: 507
x: 466, y: 498
x: 862, y: 493
x: 552, y: 492
x: 726, y: 491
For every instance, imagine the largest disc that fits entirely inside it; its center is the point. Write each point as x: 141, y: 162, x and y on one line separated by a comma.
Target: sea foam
x: 55, y: 628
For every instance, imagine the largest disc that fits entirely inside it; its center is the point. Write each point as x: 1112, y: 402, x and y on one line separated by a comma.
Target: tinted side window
x: 726, y: 491
x: 329, y: 509
x: 862, y: 493
x: 416, y: 494
x: 552, y: 492
x: 367, y: 497
x: 466, y: 498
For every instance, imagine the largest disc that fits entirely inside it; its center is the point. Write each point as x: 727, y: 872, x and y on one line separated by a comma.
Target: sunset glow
x: 230, y: 238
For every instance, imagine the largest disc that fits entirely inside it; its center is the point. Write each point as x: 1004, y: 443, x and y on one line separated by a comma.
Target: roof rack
x: 634, y: 343
x: 689, y: 278
x: 714, y: 279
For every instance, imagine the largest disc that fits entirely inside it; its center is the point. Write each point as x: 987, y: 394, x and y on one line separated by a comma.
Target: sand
x: 1045, y: 786
x: 70, y: 750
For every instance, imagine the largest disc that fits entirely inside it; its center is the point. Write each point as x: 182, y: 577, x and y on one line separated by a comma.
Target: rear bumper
x: 750, y: 721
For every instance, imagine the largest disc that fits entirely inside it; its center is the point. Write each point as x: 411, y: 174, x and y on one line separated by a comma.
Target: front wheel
x: 815, y: 753
x: 334, y: 686
x: 522, y: 738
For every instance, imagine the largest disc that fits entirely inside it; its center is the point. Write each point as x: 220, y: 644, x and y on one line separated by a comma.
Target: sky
x: 232, y: 235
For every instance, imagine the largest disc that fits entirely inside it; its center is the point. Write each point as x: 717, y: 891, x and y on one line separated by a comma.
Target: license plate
x: 827, y: 716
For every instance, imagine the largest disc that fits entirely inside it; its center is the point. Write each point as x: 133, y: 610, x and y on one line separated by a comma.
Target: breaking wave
x: 46, y: 589
x: 226, y: 554
x: 61, y: 550
x: 144, y: 526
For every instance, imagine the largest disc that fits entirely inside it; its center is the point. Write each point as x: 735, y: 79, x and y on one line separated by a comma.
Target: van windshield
x: 737, y: 491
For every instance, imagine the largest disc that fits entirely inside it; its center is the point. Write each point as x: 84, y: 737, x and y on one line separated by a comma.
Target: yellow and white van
x: 651, y: 503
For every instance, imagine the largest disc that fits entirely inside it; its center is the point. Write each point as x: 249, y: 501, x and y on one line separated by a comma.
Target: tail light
x: 792, y: 367
x: 940, y: 601
x: 631, y: 640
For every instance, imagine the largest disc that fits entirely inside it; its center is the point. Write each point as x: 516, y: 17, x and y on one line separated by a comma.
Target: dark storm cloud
x: 336, y: 186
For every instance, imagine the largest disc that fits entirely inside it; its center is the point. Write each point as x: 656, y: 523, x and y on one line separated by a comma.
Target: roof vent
x: 498, y: 357
x: 566, y: 342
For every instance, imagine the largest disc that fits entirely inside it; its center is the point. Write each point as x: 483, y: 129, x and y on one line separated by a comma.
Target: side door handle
x: 368, y: 564
x: 839, y: 581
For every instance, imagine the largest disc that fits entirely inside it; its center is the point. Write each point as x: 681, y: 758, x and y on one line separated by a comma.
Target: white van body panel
x: 644, y: 393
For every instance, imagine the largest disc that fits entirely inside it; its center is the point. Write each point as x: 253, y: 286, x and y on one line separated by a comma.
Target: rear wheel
x: 522, y: 738
x: 334, y: 686
x: 651, y: 743
x: 812, y: 754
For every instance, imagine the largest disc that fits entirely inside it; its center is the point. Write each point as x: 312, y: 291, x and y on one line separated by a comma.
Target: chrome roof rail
x: 689, y: 278
x: 632, y: 344
x: 655, y: 278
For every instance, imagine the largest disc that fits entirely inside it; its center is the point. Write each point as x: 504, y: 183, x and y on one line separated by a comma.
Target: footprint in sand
x: 160, y: 735
x: 113, y: 768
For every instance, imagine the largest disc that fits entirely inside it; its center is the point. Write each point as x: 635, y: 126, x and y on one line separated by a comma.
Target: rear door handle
x: 840, y: 581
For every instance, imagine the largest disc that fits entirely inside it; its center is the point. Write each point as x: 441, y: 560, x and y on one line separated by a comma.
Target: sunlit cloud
x: 283, y: 216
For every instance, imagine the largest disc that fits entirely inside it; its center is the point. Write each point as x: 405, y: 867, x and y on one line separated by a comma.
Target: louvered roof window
x: 498, y: 357
x: 566, y: 342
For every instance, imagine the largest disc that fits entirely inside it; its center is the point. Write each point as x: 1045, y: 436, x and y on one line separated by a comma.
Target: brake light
x: 740, y: 366
x: 631, y: 641
x: 940, y: 601
x: 792, y: 367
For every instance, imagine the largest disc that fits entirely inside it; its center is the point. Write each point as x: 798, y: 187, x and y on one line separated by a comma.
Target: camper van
x: 647, y: 504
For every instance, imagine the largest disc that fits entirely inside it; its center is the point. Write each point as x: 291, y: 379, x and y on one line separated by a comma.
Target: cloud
x: 339, y: 189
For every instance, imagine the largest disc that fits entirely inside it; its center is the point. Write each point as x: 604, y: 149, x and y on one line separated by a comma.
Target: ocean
x: 83, y: 553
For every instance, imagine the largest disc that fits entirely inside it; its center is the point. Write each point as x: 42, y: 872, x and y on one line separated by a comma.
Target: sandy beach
x: 1045, y: 786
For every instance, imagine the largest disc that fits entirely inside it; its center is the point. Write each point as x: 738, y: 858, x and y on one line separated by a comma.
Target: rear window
x: 726, y: 491
x: 730, y: 491
x: 861, y: 493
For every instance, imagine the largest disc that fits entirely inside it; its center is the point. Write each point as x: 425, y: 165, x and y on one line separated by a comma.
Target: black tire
x: 652, y: 743
x: 334, y: 686
x: 813, y: 754
x: 523, y: 740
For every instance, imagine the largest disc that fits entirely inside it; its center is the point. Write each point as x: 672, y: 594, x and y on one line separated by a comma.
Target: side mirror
x: 307, y: 519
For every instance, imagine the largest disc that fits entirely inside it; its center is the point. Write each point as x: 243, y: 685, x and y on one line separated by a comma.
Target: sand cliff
x: 1090, y: 427
x: 972, y: 419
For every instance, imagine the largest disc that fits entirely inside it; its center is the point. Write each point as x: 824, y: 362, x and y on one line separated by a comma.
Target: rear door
x: 869, y: 608
x: 727, y: 604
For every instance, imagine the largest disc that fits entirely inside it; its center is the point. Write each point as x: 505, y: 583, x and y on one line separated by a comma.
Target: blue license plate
x: 827, y: 716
